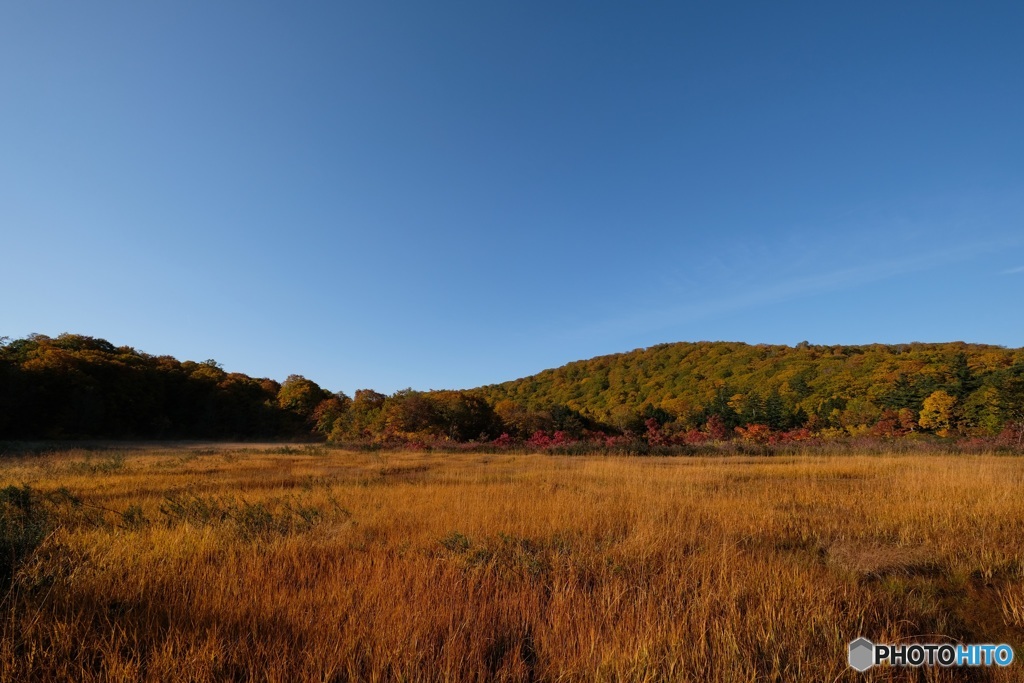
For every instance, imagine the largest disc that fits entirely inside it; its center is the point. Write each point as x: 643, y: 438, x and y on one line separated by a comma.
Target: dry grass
x: 326, y: 565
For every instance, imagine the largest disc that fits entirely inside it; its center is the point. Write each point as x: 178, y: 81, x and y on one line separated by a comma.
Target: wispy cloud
x: 772, y: 293
x: 1013, y: 271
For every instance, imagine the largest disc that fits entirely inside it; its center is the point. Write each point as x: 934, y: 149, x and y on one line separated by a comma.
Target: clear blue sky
x: 441, y: 194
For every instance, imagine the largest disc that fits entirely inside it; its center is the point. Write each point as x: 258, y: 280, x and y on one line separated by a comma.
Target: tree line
x: 75, y: 386
x: 951, y: 389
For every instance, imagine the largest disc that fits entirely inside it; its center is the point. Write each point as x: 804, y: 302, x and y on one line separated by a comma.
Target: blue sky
x: 448, y: 194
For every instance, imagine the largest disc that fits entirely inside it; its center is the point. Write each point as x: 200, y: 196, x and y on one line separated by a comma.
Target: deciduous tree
x: 937, y: 413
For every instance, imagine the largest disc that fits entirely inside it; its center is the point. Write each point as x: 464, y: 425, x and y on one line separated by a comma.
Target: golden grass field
x: 323, y: 565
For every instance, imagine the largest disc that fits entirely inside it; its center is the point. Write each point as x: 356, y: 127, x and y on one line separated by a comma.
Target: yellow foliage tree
x: 937, y: 412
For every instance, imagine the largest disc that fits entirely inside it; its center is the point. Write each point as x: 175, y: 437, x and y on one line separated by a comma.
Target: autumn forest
x: 681, y: 397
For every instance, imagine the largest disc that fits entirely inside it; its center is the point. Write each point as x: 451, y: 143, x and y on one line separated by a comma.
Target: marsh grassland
x: 323, y: 565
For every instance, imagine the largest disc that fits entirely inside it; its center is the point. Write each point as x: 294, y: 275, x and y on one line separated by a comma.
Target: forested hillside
x: 968, y: 388
x: 74, y: 386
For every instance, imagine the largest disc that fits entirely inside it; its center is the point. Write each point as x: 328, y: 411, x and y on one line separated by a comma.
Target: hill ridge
x: 79, y: 386
x: 834, y: 385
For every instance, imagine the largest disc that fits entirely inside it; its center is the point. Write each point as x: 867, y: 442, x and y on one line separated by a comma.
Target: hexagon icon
x: 861, y: 654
